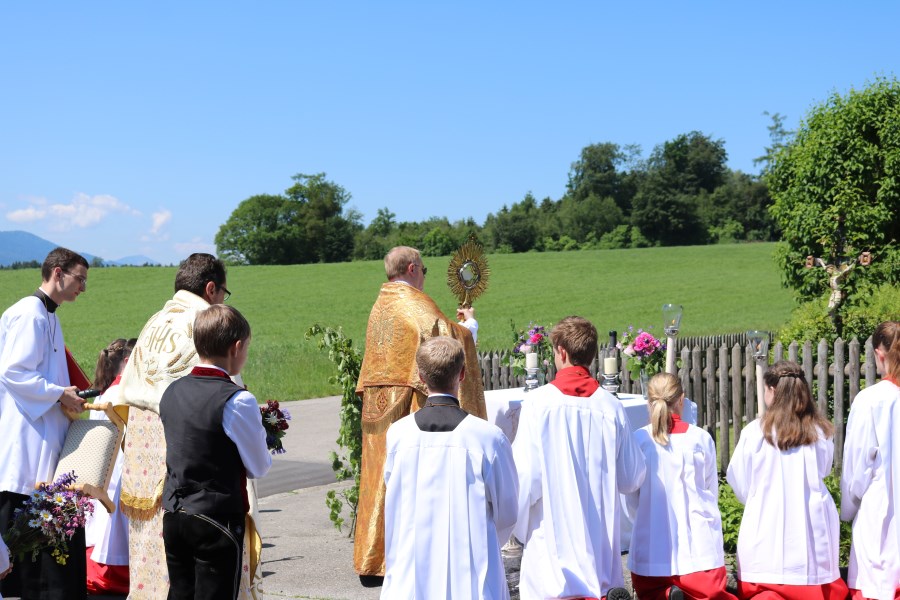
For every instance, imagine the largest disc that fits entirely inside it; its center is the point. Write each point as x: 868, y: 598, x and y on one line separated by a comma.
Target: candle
x: 609, y: 365
x: 531, y: 361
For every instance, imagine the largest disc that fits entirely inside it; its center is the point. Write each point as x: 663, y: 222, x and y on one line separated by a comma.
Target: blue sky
x: 136, y: 127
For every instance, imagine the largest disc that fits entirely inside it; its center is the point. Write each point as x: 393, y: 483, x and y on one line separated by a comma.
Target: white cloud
x: 195, y: 245
x: 26, y: 215
x: 83, y: 211
x: 160, y: 218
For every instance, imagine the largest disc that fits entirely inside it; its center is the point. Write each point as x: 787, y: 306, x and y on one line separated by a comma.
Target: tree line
x: 683, y: 194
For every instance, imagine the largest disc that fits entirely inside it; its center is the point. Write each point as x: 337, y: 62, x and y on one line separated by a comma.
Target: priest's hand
x: 6, y: 572
x: 465, y: 313
x: 70, y: 401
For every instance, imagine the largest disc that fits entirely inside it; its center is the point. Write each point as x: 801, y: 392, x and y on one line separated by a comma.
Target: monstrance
x: 467, y: 275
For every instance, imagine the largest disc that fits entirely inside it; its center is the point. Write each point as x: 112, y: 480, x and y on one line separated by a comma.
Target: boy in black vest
x: 214, y: 441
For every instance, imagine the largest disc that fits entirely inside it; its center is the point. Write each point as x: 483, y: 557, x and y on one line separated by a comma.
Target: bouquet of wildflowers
x: 532, y: 339
x: 275, y: 422
x: 48, y: 519
x: 643, y: 352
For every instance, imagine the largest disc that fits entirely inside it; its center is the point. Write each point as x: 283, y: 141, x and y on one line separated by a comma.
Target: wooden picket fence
x: 719, y: 375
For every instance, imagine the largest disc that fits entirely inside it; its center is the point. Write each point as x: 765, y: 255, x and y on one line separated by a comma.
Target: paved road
x: 311, y: 436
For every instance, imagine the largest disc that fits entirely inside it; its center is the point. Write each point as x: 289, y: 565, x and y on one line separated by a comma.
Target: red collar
x: 209, y: 372
x: 576, y: 381
x: 677, y: 426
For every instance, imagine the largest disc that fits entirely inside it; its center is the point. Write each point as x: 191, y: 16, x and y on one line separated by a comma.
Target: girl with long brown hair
x: 870, y: 479
x: 676, y: 543
x: 789, y: 539
x: 107, y: 534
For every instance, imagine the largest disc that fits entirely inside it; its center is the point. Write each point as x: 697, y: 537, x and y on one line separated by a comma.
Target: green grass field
x: 727, y: 288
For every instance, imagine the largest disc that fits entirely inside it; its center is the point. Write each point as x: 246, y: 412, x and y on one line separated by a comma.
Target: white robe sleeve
x: 711, y: 475
x: 472, y: 326
x: 739, y: 470
x: 631, y: 468
x: 860, y: 459
x: 242, y: 422
x: 20, y: 364
x: 528, y: 463
x: 502, y: 486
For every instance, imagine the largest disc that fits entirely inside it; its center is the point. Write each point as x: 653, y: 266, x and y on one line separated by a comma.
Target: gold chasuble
x: 389, y: 385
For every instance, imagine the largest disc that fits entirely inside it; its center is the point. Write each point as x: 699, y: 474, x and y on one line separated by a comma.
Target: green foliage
x: 305, y: 225
x: 836, y: 191
x: 810, y: 320
x: 732, y: 512
x: 348, y: 361
x: 833, y: 483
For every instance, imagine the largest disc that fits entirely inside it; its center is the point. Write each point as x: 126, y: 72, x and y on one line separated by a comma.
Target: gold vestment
x: 389, y: 385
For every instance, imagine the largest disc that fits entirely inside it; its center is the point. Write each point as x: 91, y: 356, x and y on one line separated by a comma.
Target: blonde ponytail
x: 663, y: 393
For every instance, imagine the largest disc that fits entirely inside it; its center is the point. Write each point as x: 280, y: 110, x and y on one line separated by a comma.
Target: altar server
x: 870, y: 480
x: 789, y: 539
x: 106, y: 535
x: 575, y: 455
x: 676, y: 541
x: 34, y: 389
x: 451, y: 487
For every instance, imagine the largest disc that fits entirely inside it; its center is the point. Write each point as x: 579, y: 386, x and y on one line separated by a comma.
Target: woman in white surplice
x: 788, y: 543
x: 870, y: 480
x: 677, y: 535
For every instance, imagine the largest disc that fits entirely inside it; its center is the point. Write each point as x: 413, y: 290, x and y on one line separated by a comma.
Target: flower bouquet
x: 643, y: 352
x: 275, y: 422
x: 532, y: 339
x: 48, y: 519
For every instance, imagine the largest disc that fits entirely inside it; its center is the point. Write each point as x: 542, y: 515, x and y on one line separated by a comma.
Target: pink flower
x: 525, y: 349
x: 535, y: 339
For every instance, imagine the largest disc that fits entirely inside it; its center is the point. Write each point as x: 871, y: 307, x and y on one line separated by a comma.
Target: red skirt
x: 836, y: 590
x: 106, y: 579
x: 702, y: 585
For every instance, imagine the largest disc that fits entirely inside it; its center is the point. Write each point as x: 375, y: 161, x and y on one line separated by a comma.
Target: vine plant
x: 346, y: 465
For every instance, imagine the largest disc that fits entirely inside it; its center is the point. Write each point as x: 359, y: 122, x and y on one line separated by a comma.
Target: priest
x: 164, y: 353
x: 575, y: 454
x: 34, y: 390
x: 390, y: 387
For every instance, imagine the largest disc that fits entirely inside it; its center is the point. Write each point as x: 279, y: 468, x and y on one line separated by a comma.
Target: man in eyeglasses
x: 164, y: 353
x: 34, y: 390
x: 390, y: 387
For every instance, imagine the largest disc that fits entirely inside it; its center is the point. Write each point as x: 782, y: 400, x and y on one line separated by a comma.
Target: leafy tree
x: 592, y: 216
x: 305, y: 225
x: 598, y: 172
x: 516, y: 227
x: 437, y: 242
x: 836, y: 192
x: 738, y: 210
x: 263, y: 230
x: 779, y: 137
x: 665, y: 207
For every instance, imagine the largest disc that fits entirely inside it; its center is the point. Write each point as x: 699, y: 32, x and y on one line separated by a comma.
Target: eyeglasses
x: 227, y: 293
x: 81, y: 280
x: 424, y: 269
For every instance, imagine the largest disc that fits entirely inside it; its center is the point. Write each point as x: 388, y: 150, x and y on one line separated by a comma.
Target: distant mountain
x: 139, y: 260
x: 21, y: 246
